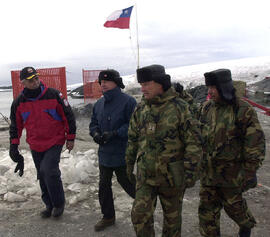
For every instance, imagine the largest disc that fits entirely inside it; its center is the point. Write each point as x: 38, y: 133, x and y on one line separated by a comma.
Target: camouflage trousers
x: 213, y: 199
x: 145, y: 204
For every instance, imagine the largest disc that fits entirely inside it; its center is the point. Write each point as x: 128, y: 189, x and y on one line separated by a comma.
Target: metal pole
x: 138, y: 49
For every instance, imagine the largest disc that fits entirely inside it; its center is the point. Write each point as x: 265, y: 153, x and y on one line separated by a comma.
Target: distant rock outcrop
x: 77, y: 92
x: 260, y: 92
x: 83, y: 110
x: 262, y: 86
x: 5, y: 87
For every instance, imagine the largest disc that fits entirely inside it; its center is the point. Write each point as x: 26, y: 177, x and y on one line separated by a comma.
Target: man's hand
x: 14, y: 153
x: 107, y: 136
x: 19, y: 167
x: 190, y: 183
x: 70, y: 145
x: 98, y: 138
x: 16, y: 157
x: 190, y: 179
x: 250, y: 181
x: 130, y: 175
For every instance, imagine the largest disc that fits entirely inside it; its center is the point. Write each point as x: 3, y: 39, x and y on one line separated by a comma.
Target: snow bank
x: 77, y: 170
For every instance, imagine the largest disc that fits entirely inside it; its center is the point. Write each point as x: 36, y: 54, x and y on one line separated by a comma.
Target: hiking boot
x: 46, y: 213
x: 103, y: 223
x: 58, y: 211
x: 244, y: 232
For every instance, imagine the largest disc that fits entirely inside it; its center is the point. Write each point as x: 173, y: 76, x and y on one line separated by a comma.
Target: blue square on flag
x: 119, y: 19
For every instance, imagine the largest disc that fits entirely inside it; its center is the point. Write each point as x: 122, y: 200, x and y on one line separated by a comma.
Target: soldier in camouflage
x: 234, y: 148
x: 183, y: 94
x: 165, y: 143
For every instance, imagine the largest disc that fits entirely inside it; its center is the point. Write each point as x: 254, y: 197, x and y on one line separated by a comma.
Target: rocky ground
x: 22, y: 219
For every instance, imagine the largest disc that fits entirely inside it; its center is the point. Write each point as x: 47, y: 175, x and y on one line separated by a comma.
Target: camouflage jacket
x: 193, y: 107
x: 234, y: 143
x: 161, y: 131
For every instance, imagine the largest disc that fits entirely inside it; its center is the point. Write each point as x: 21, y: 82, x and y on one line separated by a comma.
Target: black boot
x: 46, y: 213
x: 244, y: 232
x: 58, y: 211
x: 104, y: 223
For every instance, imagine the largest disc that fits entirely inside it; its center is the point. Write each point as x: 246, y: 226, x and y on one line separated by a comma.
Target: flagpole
x: 138, y: 49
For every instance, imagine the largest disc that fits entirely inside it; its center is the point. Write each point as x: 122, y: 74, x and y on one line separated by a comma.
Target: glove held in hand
x: 107, y: 136
x: 19, y: 167
x: 98, y: 138
x: 14, y: 153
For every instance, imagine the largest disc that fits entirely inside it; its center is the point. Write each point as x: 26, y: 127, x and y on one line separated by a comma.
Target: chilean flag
x: 119, y: 19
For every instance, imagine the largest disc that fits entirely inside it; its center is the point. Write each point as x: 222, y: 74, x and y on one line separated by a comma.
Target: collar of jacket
x: 221, y: 103
x: 160, y: 99
x: 34, y: 94
x: 109, y: 95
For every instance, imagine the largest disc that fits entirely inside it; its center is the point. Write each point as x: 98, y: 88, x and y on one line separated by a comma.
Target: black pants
x: 49, y: 175
x: 105, y: 188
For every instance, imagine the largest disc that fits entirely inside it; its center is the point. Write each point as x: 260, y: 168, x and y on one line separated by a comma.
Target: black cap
x: 154, y: 73
x: 111, y: 75
x: 28, y: 73
x: 222, y: 79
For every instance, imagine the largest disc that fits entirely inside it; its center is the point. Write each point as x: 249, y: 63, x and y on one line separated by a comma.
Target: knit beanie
x: 111, y: 75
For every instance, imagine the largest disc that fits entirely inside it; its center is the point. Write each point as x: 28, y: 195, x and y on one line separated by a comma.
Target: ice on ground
x: 76, y: 168
x: 13, y: 197
x: 79, y: 168
x: 83, y: 195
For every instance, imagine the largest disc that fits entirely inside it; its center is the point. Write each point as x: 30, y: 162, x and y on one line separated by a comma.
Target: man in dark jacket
x: 49, y: 123
x: 109, y: 128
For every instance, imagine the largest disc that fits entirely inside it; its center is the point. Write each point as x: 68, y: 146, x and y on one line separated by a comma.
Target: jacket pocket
x: 177, y: 171
x: 141, y: 172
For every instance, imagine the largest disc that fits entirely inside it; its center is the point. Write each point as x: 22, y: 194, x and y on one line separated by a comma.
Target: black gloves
x: 16, y: 157
x: 98, y: 138
x: 250, y: 182
x: 14, y: 153
x: 104, y: 138
x: 107, y: 136
x: 19, y: 167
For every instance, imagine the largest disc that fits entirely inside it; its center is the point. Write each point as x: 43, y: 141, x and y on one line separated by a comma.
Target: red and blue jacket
x: 48, y: 119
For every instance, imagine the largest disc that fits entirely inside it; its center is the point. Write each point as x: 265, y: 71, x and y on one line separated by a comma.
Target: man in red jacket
x: 49, y: 123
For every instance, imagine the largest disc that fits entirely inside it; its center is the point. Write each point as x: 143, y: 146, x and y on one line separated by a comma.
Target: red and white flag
x: 119, y: 19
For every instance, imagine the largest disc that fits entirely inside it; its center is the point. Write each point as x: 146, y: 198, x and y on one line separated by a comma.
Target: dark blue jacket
x: 112, y: 112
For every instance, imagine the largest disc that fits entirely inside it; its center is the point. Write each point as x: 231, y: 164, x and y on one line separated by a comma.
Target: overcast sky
x: 173, y: 33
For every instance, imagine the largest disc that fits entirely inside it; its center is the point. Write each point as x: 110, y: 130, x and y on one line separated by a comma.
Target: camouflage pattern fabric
x: 234, y: 148
x: 144, y: 207
x: 212, y: 200
x: 162, y: 131
x: 193, y: 107
x: 234, y: 143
